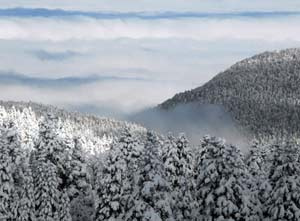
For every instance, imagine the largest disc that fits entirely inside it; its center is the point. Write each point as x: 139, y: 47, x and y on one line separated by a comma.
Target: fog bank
x: 195, y: 120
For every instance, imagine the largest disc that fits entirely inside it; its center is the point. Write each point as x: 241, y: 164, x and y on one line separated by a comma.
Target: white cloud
x: 120, y: 96
x: 150, y: 5
x: 273, y: 29
x: 177, y: 60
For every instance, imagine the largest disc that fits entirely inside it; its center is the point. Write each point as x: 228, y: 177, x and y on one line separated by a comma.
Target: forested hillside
x: 53, y: 169
x: 99, y: 126
x: 261, y: 93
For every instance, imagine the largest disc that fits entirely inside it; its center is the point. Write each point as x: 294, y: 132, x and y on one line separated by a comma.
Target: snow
x: 50, y: 169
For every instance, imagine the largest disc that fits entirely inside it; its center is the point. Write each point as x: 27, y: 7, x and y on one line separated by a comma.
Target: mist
x: 195, y: 120
x: 126, y: 99
x: 106, y: 98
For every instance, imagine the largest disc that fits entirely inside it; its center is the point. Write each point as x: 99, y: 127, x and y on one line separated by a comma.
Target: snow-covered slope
x: 98, y: 133
x: 262, y: 93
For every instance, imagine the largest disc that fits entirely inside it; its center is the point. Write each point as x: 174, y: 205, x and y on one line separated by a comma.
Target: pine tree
x: 51, y: 166
x: 6, y: 179
x: 284, y: 200
x: 58, y: 148
x: 14, y: 204
x: 111, y: 188
x: 83, y: 208
x: 255, y: 160
x: 9, y: 164
x: 117, y: 184
x: 131, y: 151
x: 152, y: 199
x: 222, y: 191
x: 178, y: 163
x: 64, y: 207
x: 47, y: 196
x: 26, y: 204
x: 258, y: 182
x: 79, y: 178
x: 13, y: 145
x: 29, y: 128
x: 3, y: 118
x: 80, y: 189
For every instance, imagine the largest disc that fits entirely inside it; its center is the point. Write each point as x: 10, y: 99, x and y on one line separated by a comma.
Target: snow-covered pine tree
x: 26, y: 206
x: 58, y: 149
x: 284, y: 200
x: 10, y: 149
x: 3, y: 118
x: 116, y: 185
x: 222, y: 191
x: 111, y: 188
x: 14, y: 204
x: 258, y: 168
x: 131, y: 151
x: 52, y: 159
x: 64, y: 207
x: 6, y: 180
x: 47, y: 195
x: 80, y: 189
x: 255, y: 159
x: 13, y: 145
x: 152, y: 199
x: 178, y: 163
x: 83, y: 208
x: 79, y: 178
x: 29, y: 128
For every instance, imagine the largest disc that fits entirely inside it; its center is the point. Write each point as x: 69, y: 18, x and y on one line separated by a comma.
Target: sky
x: 113, y: 57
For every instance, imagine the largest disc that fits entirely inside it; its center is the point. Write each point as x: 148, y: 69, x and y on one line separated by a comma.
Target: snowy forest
x: 261, y: 93
x: 52, y: 167
x: 147, y: 110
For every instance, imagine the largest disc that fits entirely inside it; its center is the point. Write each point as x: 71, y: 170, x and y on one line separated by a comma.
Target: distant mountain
x: 25, y: 80
x: 145, y: 15
x: 262, y: 93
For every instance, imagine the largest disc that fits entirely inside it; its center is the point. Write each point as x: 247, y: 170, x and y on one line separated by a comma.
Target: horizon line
x: 145, y: 15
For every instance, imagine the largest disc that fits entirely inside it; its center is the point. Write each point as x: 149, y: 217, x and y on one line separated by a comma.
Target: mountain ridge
x: 261, y: 92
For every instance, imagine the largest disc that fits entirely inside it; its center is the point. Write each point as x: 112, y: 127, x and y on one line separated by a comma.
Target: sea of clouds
x: 140, y: 52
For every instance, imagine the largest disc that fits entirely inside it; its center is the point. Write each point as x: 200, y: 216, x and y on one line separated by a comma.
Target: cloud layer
x: 11, y: 78
x: 150, y: 5
x: 86, y: 29
x: 54, y: 55
x: 172, y: 45
x: 122, y: 97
